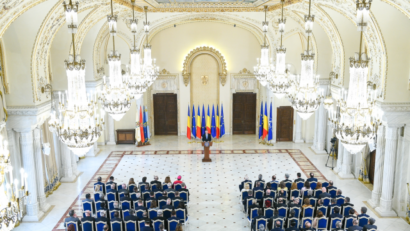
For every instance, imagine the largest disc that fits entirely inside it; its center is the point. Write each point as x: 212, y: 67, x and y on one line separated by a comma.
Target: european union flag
x: 203, y: 123
x: 193, y: 122
x: 222, y: 121
x: 261, y: 122
x: 213, y: 125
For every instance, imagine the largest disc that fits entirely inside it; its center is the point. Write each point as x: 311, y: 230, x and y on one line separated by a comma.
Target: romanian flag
x: 188, y: 126
x: 261, y: 122
x: 217, y: 122
x: 193, y: 122
x: 203, y: 121
x: 213, y: 126
x: 265, y: 122
x: 222, y: 121
x: 198, y: 125
x: 141, y: 127
x: 208, y: 122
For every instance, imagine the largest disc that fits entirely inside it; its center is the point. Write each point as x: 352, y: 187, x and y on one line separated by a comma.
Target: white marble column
x: 91, y: 152
x: 58, y: 155
x: 15, y: 157
x: 44, y: 206
x: 378, y: 168
x: 346, y: 171
x: 385, y: 208
x: 68, y: 175
x: 315, y: 136
x: 298, y: 133
x: 111, y: 132
x: 340, y: 152
x: 74, y: 160
x: 32, y: 206
x: 320, y: 131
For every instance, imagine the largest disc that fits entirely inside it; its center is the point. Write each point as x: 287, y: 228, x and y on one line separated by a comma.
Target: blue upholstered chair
x: 333, y: 222
x: 280, y: 220
x: 273, y: 194
x: 340, y: 201
x: 313, y: 201
x: 125, y: 205
x: 304, y: 221
x: 267, y: 199
x: 253, y: 213
x: 139, y: 213
x: 288, y: 185
x: 261, y: 221
x: 262, y: 184
x: 308, y: 212
x: 283, y: 211
x: 268, y: 212
x: 317, y: 192
x: 133, y: 196
x: 323, y: 209
x: 125, y: 213
x: 326, y: 201
x: 363, y: 221
x: 141, y: 224
x: 181, y: 214
x: 164, y: 186
x: 87, y: 225
x: 145, y: 195
x: 332, y: 210
x: 159, y: 194
x: 121, y: 194
x: 167, y: 213
x: 300, y: 185
x: 249, y: 202
x: 172, y: 225
x: 162, y: 203
x: 171, y: 195
x: 87, y: 205
x: 96, y: 196
x: 131, y: 187
x: 313, y: 185
x: 325, y: 184
x: 184, y: 196
x: 154, y: 186
x: 175, y: 203
x: 116, y: 226
x: 249, y: 185
x: 274, y: 185
x: 148, y: 204
x: 111, y: 196
x: 156, y: 225
x: 142, y: 186
x: 74, y: 223
x: 111, y: 205
x: 332, y: 192
x: 100, y: 225
x: 131, y: 226
x: 348, y: 222
x: 295, y: 193
x: 177, y: 186
x: 258, y: 194
x: 152, y: 213
x: 322, y: 223
x: 296, y: 209
x: 293, y: 219
x: 346, y: 209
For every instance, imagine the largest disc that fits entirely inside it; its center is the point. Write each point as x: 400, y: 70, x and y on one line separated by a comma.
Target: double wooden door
x: 284, y: 124
x: 244, y: 113
x: 165, y: 114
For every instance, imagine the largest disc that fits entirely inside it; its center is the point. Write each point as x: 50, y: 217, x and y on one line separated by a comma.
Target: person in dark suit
x: 206, y: 137
x: 352, y: 213
x: 253, y: 205
x: 156, y: 189
x: 347, y: 202
x: 308, y: 226
x: 72, y: 217
x: 123, y: 189
x: 168, y: 205
x: 312, y: 177
x: 281, y: 203
x: 184, y: 189
x: 100, y: 183
x: 260, y: 215
x: 336, y: 214
x: 156, y: 182
x: 246, y: 198
x: 331, y: 186
x: 246, y: 179
x: 355, y: 226
x: 147, y: 226
x: 173, y: 217
x: 274, y: 180
x: 88, y: 217
x: 339, y: 194
x: 145, y: 217
x: 132, y: 216
x: 299, y: 179
x: 116, y: 208
x: 277, y: 227
x: 286, y: 180
x: 163, y: 197
x: 88, y: 199
x: 338, y: 226
x: 257, y: 187
x: 370, y: 225
x: 363, y: 211
x: 161, y: 218
x: 177, y: 197
x: 117, y: 218
x: 111, y: 181
x: 113, y: 190
x: 150, y: 198
x: 140, y: 206
x: 292, y: 227
x: 324, y: 194
x: 292, y: 214
x: 259, y: 180
x: 126, y: 197
x: 294, y: 202
x: 103, y: 218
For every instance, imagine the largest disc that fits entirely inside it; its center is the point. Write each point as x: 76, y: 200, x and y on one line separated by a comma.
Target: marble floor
x: 214, y: 191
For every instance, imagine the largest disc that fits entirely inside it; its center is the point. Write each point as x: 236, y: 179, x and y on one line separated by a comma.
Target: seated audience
x: 88, y: 199
x: 339, y: 194
x: 259, y: 180
x: 71, y: 227
x: 260, y: 215
x: 286, y: 180
x: 308, y: 226
x: 257, y: 187
x: 147, y: 226
x: 132, y: 216
x: 292, y: 226
x: 355, y: 226
x: 173, y: 217
x: 161, y: 218
x: 336, y: 213
x: 306, y: 186
x: 111, y: 181
x: 245, y: 189
x: 184, y: 189
x: 299, y: 179
x: 312, y: 177
x: 140, y: 206
x: 253, y: 205
x: 167, y: 180
x: 324, y: 193
x: 181, y: 205
x: 72, y: 217
x: 103, y: 218
x: 347, y: 202
x: 117, y: 218
x: 282, y: 189
x: 331, y: 185
x: 246, y: 179
x: 370, y: 225
x: 338, y: 226
x: 145, y: 217
x: 306, y: 203
x: 315, y: 221
x: 123, y: 189
x: 100, y: 184
x: 156, y: 182
x: 88, y: 217
x: 363, y: 211
x: 178, y: 181
x: 277, y: 227
x: 168, y: 205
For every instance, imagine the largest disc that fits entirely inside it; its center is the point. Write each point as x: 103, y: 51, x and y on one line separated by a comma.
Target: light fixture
x: 305, y: 97
x: 264, y: 69
x: 356, y: 119
x: 149, y: 68
x: 115, y: 97
x: 279, y: 83
x: 78, y: 124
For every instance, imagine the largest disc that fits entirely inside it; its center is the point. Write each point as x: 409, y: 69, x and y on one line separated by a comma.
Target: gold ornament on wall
x: 164, y: 85
x: 204, y: 79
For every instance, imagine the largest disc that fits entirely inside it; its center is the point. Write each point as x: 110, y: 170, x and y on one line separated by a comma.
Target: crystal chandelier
x: 115, y: 98
x: 78, y: 125
x: 279, y: 83
x: 149, y: 68
x: 306, y: 97
x: 11, y: 214
x: 356, y: 119
x: 264, y: 69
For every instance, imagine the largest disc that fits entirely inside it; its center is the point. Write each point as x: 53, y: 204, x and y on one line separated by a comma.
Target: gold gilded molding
x: 186, y: 72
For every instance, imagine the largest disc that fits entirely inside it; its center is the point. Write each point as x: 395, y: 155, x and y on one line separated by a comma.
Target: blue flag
x: 261, y: 122
x: 270, y: 136
x: 213, y: 125
x: 144, y: 120
x: 222, y: 121
x: 203, y: 124
x: 193, y: 122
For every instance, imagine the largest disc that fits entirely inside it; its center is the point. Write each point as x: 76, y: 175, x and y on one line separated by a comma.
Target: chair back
x: 87, y: 205
x: 142, y: 186
x: 261, y: 221
x: 295, y: 220
x: 249, y: 202
x: 340, y: 201
x: 284, y: 194
x: 288, y: 185
x: 295, y: 193
x: 154, y: 186
x: 125, y: 213
x: 332, y: 192
x: 172, y: 225
x: 268, y: 212
x: 363, y: 221
x: 177, y: 186
x: 262, y: 185
x: 116, y: 225
x: 253, y: 213
x: 176, y: 202
x: 111, y: 205
x: 313, y: 201
x: 184, y: 195
x: 121, y: 194
x: 280, y: 220
x: 313, y: 184
x: 300, y: 184
x: 308, y: 212
x: 125, y: 205
x: 131, y: 187
x: 273, y: 193
x: 145, y: 195
x: 348, y: 222
x: 326, y: 201
x: 346, y: 210
x: 74, y: 223
x: 274, y: 185
x: 283, y: 211
x: 133, y: 196
x: 247, y: 183
x: 372, y: 230
x: 325, y: 184
x: 141, y: 224
x: 332, y: 210
x: 148, y: 203
x: 164, y: 186
x: 181, y: 214
x: 171, y: 194
x: 305, y: 193
x: 111, y: 196
x: 304, y: 221
x: 99, y: 213
x: 268, y: 199
x: 96, y: 196
x: 152, y: 213
x: 158, y: 194
x: 297, y: 210
x: 100, y: 225
x: 157, y: 223
x: 323, y: 209
x: 317, y: 192
x: 107, y: 186
x: 167, y: 213
x: 259, y: 194
x: 140, y: 213
x: 333, y: 222
x: 162, y: 203
x: 131, y: 226
x: 112, y: 214
x: 322, y: 223
x: 243, y: 194
x: 98, y: 187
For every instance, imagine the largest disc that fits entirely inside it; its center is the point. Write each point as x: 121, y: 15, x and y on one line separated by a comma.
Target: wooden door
x: 244, y: 113
x: 284, y: 124
x: 165, y: 114
x: 372, y: 166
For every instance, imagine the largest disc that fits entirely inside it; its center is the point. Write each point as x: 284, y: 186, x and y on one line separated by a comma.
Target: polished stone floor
x: 214, y: 192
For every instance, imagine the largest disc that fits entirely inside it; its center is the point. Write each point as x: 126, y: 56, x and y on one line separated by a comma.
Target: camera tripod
x: 332, y: 155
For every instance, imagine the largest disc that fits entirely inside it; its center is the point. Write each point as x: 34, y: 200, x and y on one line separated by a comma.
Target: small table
x: 125, y: 136
x: 206, y: 152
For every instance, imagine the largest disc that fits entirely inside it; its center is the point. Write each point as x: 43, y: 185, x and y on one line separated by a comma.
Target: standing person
x: 206, y: 138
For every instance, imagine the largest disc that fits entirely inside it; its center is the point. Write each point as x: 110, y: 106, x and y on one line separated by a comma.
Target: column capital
x: 26, y: 118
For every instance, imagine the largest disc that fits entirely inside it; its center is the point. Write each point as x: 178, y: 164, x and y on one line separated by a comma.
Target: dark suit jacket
x: 118, y: 219
x: 131, y: 218
x: 336, y: 215
x: 292, y: 229
x: 110, y: 183
x: 161, y: 219
x: 322, y: 195
x: 72, y: 219
x: 277, y: 229
x: 368, y: 226
x: 104, y: 219
x: 354, y: 228
x: 168, y: 207
x: 124, y: 191
x: 146, y: 228
x: 331, y: 187
x: 299, y: 180
x: 204, y: 138
x: 311, y: 179
x: 363, y: 215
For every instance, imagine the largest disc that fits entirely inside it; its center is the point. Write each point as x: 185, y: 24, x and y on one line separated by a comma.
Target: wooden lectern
x: 206, y: 152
